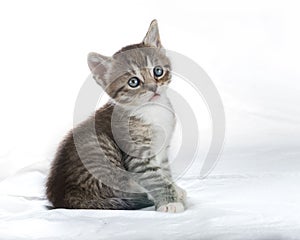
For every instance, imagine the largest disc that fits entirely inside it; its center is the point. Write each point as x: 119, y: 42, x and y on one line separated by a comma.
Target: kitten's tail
x: 126, y: 203
x: 110, y: 204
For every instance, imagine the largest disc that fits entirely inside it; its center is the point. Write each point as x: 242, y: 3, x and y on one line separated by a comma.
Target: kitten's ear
x: 98, y: 65
x: 152, y: 38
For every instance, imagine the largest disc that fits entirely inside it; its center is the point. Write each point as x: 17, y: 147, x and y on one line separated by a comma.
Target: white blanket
x: 264, y: 206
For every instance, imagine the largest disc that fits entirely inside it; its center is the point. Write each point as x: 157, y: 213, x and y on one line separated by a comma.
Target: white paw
x: 181, y: 193
x: 174, y: 207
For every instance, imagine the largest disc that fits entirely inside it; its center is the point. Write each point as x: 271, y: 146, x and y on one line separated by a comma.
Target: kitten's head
x: 137, y: 73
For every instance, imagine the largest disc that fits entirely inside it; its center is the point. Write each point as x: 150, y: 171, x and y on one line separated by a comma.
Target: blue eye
x: 134, y: 82
x: 158, y: 71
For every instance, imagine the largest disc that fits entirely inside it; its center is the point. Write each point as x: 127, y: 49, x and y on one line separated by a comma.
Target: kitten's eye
x: 134, y: 82
x: 158, y: 71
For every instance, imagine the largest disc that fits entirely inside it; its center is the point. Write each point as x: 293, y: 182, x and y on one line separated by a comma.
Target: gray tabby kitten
x: 92, y: 158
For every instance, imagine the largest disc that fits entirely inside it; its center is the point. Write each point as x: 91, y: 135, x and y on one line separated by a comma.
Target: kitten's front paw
x: 174, y: 207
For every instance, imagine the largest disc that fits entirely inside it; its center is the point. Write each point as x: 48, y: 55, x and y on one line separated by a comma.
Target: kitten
x: 82, y: 173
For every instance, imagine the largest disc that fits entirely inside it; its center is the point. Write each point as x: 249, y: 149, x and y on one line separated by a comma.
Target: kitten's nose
x: 152, y: 87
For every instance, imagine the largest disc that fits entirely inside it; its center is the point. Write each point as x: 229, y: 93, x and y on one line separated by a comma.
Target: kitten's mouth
x: 155, y: 97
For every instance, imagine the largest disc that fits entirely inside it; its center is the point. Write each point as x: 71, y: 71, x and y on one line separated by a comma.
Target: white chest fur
x: 159, y: 114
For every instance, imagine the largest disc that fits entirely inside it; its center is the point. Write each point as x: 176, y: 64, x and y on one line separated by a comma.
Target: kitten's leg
x: 159, y: 186
x: 90, y: 194
x: 94, y: 181
x: 182, y: 195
